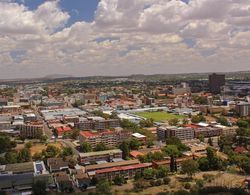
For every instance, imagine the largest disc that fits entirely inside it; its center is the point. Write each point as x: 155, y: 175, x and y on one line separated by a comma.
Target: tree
x: 210, y: 141
x: 149, y: 173
x: 39, y: 188
x: 24, y: 155
x: 103, y: 187
x: 43, y: 138
x: 198, y: 118
x: 51, y: 151
x: 201, y: 138
x: 177, y: 142
x: 39, y: 134
x: 134, y: 144
x: 28, y: 145
x: 189, y: 167
x: 72, y: 163
x: 200, y: 100
x: 147, y: 123
x: 150, y: 143
x: 75, y: 134
x: 119, y: 180
x: 67, y: 152
x: 114, y: 115
x: 37, y: 156
x: 161, y: 172
x: 173, y: 122
x: 244, y: 164
x: 173, y: 152
x: 11, y: 157
x: 203, y: 164
x: 214, y: 161
x: 86, y: 147
x: 185, y: 121
x: 243, y: 123
x: 6, y: 144
x: 124, y: 146
x: 101, y: 147
x: 223, y: 121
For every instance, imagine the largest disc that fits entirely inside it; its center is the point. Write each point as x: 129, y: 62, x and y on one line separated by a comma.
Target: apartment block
x: 243, y: 109
x: 31, y: 130
x: 207, y: 132
x: 183, y: 133
x: 97, y: 123
x: 108, y: 137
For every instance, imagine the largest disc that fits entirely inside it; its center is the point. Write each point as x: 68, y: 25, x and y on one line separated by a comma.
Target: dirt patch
x: 36, y: 148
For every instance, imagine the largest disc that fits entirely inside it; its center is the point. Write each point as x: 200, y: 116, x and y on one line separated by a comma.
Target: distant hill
x: 57, y: 76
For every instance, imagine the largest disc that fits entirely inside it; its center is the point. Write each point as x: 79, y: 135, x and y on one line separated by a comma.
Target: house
x: 240, y: 150
x: 140, y: 137
x: 57, y: 164
x: 81, y: 179
x: 136, y: 154
x: 63, y: 182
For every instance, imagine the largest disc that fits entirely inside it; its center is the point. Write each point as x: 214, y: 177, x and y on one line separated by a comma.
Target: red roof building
x: 63, y: 130
x: 127, y: 172
x: 240, y: 150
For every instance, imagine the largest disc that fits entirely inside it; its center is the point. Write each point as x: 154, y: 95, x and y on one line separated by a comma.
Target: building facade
x: 108, y: 137
x: 216, y: 81
x: 243, y: 109
x: 183, y: 133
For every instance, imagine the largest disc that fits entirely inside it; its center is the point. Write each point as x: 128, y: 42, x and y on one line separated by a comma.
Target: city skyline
x: 116, y: 37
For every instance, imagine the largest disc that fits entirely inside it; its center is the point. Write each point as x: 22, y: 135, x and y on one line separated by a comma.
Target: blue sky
x: 78, y: 9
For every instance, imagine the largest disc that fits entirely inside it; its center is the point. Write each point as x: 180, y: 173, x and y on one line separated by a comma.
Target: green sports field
x: 159, y: 116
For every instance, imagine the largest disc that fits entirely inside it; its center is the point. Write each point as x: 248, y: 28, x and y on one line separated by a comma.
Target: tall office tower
x: 216, y: 81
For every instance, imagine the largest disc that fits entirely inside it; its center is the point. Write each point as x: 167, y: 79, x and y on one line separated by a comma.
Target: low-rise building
x: 207, y: 132
x: 21, y: 176
x: 93, y: 157
x: 81, y: 179
x: 128, y: 172
x: 96, y: 167
x: 57, y: 164
x: 63, y: 182
x: 60, y: 131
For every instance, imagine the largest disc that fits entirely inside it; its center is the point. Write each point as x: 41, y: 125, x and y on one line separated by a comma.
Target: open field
x: 39, y: 147
x: 178, y: 181
x: 159, y: 116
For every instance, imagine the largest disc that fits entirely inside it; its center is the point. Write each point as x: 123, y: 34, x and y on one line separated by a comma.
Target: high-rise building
x: 243, y: 109
x: 216, y: 81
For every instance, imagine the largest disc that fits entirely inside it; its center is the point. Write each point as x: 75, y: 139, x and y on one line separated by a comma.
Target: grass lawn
x: 159, y: 116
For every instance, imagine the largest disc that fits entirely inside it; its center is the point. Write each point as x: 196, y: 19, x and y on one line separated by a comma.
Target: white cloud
x: 126, y: 37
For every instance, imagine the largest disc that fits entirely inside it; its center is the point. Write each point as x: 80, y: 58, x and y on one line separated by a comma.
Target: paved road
x: 68, y: 143
x: 46, y: 129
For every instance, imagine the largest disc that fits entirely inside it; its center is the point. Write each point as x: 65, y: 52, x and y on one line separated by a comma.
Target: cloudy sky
x: 121, y: 37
